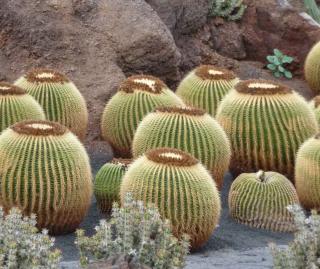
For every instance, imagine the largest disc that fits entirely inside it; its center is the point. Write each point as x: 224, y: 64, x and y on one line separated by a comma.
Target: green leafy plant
x: 137, y: 233
x: 277, y: 64
x: 312, y: 9
x: 231, y: 10
x: 304, y: 250
x: 21, y: 246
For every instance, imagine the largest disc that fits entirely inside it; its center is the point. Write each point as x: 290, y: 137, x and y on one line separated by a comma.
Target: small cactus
x: 107, y: 183
x: 307, y: 173
x: 312, y: 68
x: 16, y: 105
x: 205, y: 87
x: 315, y: 102
x: 266, y: 123
x: 188, y: 129
x: 180, y: 187
x: 136, y: 97
x: 260, y: 200
x: 61, y: 100
x: 45, y: 170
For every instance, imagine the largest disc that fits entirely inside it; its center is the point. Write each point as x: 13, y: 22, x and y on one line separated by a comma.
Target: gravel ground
x: 231, y: 246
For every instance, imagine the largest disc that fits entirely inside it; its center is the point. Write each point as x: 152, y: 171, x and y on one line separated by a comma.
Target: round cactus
x: 307, y: 173
x: 60, y: 99
x: 107, y: 183
x: 180, y: 187
x: 260, y: 200
x: 16, y: 105
x: 205, y: 87
x: 315, y: 102
x: 188, y: 129
x: 266, y: 123
x: 312, y: 68
x: 136, y: 97
x: 45, y: 170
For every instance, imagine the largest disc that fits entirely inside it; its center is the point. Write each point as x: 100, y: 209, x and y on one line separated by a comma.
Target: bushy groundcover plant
x: 21, y: 246
x: 304, y: 251
x: 136, y: 232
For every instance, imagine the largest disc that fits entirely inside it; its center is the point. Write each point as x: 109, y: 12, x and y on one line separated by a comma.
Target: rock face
x: 99, y: 42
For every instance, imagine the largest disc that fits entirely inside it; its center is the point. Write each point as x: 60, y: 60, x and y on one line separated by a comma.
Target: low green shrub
x: 304, y: 251
x: 21, y: 246
x: 136, y: 233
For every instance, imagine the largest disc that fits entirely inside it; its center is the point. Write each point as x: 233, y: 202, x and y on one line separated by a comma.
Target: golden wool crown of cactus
x: 260, y: 200
x: 181, y: 188
x: 266, y: 123
x: 205, y: 86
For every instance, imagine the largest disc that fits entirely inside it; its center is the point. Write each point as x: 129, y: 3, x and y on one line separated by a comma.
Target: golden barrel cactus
x: 307, y: 173
x: 60, y: 99
x: 260, y: 200
x: 107, y: 183
x: 45, y: 170
x: 188, y: 129
x: 16, y: 105
x: 266, y: 123
x: 180, y: 187
x: 136, y: 97
x: 312, y: 68
x: 315, y: 105
x: 205, y: 87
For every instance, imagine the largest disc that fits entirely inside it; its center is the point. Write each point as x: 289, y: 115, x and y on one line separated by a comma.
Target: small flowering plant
x: 136, y: 232
x: 304, y: 251
x: 21, y: 246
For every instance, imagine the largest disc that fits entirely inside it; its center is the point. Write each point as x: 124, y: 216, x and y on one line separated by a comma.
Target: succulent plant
x: 266, y: 123
x: 260, y: 200
x: 277, y: 64
x: 181, y: 188
x: 45, y: 170
x: 136, y: 97
x: 312, y: 9
x: 312, y: 68
x: 205, y: 87
x: 232, y: 10
x: 107, y: 183
x: 188, y: 129
x: 315, y: 102
x: 16, y: 105
x: 307, y: 173
x: 60, y: 99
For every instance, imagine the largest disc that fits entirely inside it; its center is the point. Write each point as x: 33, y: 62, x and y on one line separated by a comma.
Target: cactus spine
x: 16, y: 105
x: 307, y: 173
x: 180, y: 187
x: 107, y: 183
x: 260, y: 200
x: 136, y: 97
x: 266, y: 123
x: 312, y: 68
x: 45, y: 170
x: 188, y: 129
x: 61, y: 100
x: 205, y: 87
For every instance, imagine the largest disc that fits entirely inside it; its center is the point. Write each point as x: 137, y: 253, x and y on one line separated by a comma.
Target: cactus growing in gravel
x: 136, y: 97
x: 45, y: 170
x: 181, y: 188
x: 187, y: 129
x: 107, y: 183
x: 307, y: 173
x: 315, y: 102
x: 312, y: 68
x: 205, y: 87
x: 260, y: 200
x: 61, y: 100
x: 266, y: 123
x: 16, y: 105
